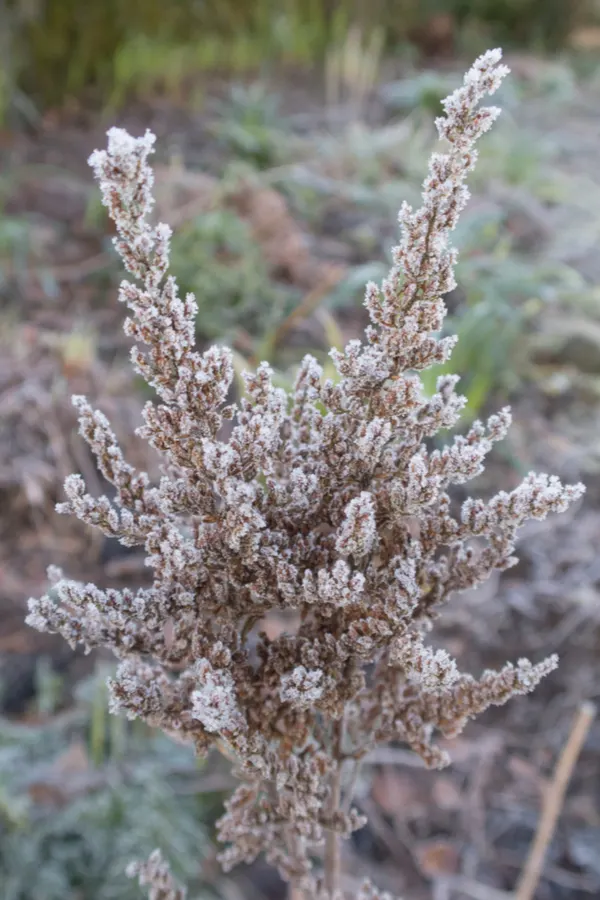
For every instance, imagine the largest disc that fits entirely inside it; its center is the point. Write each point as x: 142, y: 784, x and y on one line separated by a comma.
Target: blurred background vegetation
x: 289, y: 133
x: 107, y: 49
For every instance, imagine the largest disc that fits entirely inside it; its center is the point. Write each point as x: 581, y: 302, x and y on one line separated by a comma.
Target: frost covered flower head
x: 328, y: 506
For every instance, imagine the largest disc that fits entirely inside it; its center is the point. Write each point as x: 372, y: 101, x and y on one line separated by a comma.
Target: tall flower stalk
x: 329, y: 502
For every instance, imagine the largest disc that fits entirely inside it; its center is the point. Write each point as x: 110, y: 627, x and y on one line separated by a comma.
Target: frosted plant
x: 330, y: 503
x: 155, y: 875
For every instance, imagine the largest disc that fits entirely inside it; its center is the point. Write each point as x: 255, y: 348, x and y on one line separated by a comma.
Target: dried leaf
x: 438, y: 857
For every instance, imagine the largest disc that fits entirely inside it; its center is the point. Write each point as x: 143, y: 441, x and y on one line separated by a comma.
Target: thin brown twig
x: 307, y: 305
x: 553, y: 802
x: 386, y: 833
x: 332, y: 860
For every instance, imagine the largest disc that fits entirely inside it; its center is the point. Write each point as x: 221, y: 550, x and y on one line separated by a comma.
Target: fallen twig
x: 553, y: 802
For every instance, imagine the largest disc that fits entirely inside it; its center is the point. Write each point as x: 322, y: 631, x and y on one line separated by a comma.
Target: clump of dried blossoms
x: 330, y: 503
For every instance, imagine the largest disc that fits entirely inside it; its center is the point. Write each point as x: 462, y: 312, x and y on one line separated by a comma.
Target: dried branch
x: 553, y: 802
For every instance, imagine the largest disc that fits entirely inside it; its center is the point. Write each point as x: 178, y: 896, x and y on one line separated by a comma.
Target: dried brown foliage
x: 330, y: 503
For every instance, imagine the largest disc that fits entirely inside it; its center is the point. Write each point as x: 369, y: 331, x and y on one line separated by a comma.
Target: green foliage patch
x: 83, y: 793
x: 61, y: 48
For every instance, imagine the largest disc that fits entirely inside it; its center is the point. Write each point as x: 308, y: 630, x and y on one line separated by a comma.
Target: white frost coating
x: 298, y: 566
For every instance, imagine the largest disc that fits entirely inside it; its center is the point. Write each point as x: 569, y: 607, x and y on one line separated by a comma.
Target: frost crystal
x: 301, y: 687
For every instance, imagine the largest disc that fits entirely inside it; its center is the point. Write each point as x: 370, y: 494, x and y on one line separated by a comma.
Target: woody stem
x: 332, y: 842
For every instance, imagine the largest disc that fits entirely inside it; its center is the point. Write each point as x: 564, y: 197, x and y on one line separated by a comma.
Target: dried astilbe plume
x: 329, y: 502
x: 156, y: 876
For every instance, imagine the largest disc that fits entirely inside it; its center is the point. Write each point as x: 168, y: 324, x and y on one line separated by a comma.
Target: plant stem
x: 332, y: 841
x: 356, y: 767
x: 332, y: 861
